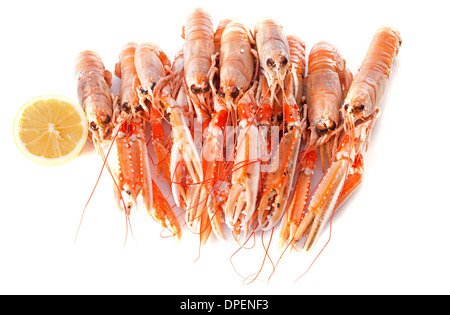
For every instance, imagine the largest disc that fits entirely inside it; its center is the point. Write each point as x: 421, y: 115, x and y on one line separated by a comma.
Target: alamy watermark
x: 256, y: 144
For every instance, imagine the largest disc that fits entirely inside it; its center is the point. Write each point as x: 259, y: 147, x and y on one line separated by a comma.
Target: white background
x: 390, y: 238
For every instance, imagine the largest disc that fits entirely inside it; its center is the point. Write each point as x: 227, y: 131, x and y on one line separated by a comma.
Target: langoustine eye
x: 125, y: 106
x: 221, y: 92
x: 206, y: 88
x: 195, y: 89
x: 93, y: 125
x: 270, y: 62
x: 107, y: 119
x: 235, y: 92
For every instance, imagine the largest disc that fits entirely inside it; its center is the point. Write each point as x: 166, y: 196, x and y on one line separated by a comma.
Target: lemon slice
x: 50, y: 129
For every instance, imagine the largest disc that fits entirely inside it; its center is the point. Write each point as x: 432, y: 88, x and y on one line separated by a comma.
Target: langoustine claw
x: 132, y: 173
x: 277, y: 186
x: 241, y: 203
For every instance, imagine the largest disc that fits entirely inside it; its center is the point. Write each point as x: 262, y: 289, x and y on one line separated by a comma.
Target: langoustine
x: 278, y: 184
x: 132, y: 173
x: 361, y: 109
x: 326, y: 85
x: 94, y: 95
x: 152, y: 65
x: 273, y: 52
x: 237, y: 75
x: 198, y: 52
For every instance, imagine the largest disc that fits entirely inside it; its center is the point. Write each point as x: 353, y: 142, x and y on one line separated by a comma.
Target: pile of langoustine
x: 264, y: 115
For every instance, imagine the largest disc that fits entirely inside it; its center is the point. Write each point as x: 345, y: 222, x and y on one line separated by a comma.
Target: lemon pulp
x: 50, y: 129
